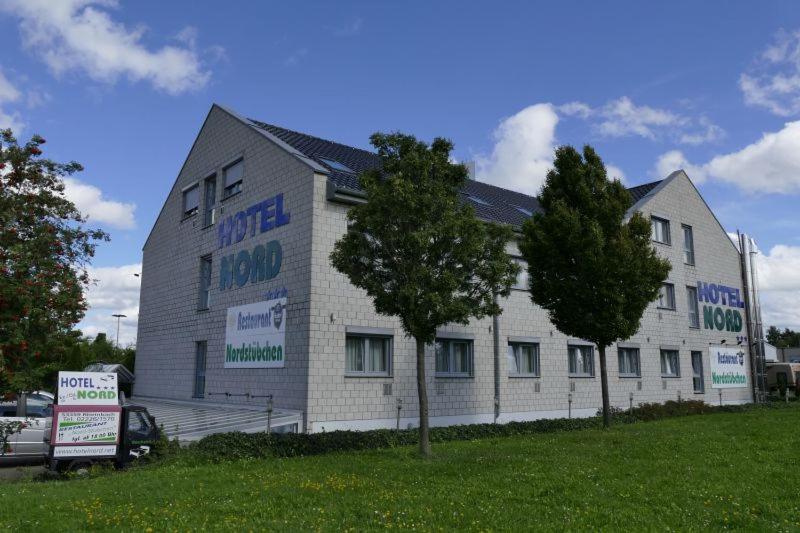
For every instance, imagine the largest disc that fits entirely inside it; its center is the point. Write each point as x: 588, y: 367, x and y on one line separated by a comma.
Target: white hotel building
x: 252, y: 218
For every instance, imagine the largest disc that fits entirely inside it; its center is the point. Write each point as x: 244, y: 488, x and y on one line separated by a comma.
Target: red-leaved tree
x: 44, y: 252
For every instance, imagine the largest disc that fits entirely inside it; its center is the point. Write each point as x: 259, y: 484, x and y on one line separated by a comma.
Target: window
x: 205, y: 283
x: 210, y: 200
x: 453, y: 357
x: 232, y: 176
x: 368, y: 355
x: 688, y: 245
x: 335, y: 165
x: 521, y: 282
x: 666, y: 298
x: 581, y: 361
x: 697, y: 372
x: 694, y: 312
x: 191, y: 200
x: 523, y: 359
x: 660, y: 230
x: 476, y: 199
x: 200, y: 351
x: 670, y: 367
x: 629, y: 362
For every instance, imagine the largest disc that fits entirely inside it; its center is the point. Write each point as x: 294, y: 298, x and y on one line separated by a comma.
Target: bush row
x: 223, y: 446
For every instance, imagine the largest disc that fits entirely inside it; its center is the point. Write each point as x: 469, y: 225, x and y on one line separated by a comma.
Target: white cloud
x: 621, y: 118
x: 613, y: 171
x: 295, y: 57
x: 116, y: 291
x: 769, y: 165
x: 9, y: 94
x: 348, y: 30
x: 80, y: 35
x: 675, y: 160
x: 779, y: 281
x: 774, y: 81
x: 90, y: 201
x: 523, y: 150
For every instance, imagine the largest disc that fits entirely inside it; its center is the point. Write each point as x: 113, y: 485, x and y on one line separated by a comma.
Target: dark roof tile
x: 505, y: 206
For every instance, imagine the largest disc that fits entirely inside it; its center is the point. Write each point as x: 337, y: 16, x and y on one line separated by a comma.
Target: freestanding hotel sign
x: 86, y: 420
x: 255, y: 335
x: 728, y: 369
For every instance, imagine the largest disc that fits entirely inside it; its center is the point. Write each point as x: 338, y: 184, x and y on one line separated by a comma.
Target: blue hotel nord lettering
x: 261, y: 263
x: 715, y: 317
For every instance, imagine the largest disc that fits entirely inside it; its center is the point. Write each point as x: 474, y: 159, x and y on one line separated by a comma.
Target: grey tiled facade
x: 322, y: 305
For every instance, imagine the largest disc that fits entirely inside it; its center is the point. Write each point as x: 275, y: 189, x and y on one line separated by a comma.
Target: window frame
x: 514, y: 354
x: 671, y: 287
x: 232, y: 189
x: 692, y: 307
x: 204, y: 293
x: 624, y: 373
x: 695, y: 376
x: 451, y: 357
x: 188, y: 213
x: 366, y: 341
x: 668, y: 233
x: 580, y: 347
x: 688, y: 245
x: 200, y: 373
x: 677, y: 353
x: 208, y: 210
x: 523, y: 274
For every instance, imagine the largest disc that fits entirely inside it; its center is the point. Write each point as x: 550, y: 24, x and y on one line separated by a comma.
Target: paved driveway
x: 189, y: 421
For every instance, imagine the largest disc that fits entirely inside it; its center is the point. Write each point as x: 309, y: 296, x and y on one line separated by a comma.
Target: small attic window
x: 479, y: 201
x: 335, y: 165
x: 524, y: 211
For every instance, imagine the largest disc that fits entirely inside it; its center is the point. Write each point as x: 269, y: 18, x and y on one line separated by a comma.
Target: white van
x: 35, y: 411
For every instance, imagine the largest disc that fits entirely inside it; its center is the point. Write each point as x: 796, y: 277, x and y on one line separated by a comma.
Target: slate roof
x: 505, y: 206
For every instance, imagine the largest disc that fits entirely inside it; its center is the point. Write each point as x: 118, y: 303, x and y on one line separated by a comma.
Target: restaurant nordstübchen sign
x: 728, y: 367
x: 255, y: 335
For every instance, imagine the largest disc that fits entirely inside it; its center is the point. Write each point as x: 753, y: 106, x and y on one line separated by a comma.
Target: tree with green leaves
x: 591, y: 266
x: 44, y: 253
x: 783, y: 339
x: 419, y: 251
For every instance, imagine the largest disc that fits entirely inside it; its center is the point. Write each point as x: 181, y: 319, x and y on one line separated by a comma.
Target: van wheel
x: 80, y: 467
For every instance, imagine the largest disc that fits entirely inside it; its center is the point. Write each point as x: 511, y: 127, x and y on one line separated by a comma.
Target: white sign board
x: 87, y: 427
x: 255, y: 335
x: 87, y: 388
x: 728, y: 367
x: 84, y: 451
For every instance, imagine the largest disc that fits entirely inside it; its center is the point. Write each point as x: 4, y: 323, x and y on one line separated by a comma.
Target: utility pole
x: 118, y: 317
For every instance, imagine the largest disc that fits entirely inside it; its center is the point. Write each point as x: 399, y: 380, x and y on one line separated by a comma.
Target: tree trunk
x: 604, y: 386
x: 422, y: 392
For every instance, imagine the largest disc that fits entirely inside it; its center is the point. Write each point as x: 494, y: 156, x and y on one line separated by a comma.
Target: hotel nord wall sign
x: 255, y: 334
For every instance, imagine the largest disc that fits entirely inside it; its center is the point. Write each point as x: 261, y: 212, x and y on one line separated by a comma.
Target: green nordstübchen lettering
x: 728, y: 378
x: 247, y: 353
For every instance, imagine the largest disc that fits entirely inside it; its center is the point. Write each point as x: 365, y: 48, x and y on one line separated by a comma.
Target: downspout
x: 496, y: 339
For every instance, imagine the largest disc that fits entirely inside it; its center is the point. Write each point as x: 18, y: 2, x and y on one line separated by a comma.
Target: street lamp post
x: 118, y: 317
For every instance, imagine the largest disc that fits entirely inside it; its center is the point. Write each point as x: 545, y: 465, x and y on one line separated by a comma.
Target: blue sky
x: 123, y: 87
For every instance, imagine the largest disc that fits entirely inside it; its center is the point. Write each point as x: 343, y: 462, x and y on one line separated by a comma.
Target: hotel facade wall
x: 170, y: 323
x: 339, y: 401
x: 323, y: 305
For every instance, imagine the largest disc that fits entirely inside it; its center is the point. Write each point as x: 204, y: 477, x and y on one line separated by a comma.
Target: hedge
x: 236, y: 445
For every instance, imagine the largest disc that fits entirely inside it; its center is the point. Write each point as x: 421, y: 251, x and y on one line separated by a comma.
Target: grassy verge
x: 717, y: 471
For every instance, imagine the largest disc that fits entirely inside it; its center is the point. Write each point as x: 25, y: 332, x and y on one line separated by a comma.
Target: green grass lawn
x: 737, y: 470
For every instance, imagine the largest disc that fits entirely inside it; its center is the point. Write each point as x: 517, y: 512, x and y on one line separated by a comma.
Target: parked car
x: 34, y: 411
